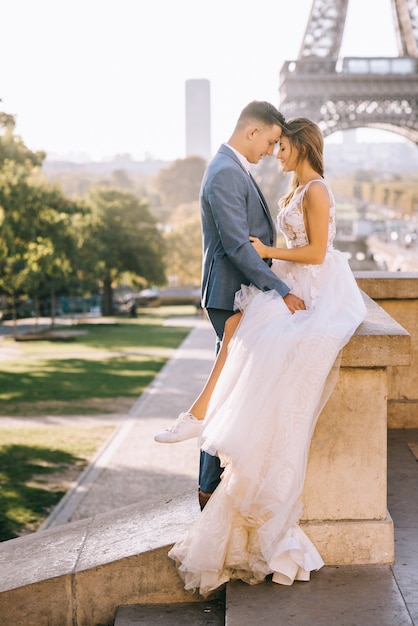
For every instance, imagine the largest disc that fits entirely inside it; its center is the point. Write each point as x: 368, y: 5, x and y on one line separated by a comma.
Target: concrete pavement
x: 132, y: 467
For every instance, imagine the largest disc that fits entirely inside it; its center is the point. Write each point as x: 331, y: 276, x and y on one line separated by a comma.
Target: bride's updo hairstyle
x: 306, y: 137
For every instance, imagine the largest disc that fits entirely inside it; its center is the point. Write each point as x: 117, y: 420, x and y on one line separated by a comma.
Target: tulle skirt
x: 280, y: 371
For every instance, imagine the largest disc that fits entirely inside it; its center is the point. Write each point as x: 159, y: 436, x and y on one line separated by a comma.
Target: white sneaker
x: 185, y: 427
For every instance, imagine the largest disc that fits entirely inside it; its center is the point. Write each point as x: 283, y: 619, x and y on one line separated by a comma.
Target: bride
x: 272, y: 377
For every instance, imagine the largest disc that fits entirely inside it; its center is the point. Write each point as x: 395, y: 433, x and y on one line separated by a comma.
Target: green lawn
x: 79, y: 376
x: 103, y: 370
x: 37, y: 466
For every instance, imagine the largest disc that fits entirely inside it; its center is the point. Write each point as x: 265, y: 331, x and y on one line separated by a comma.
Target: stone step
x: 210, y: 613
x: 335, y: 596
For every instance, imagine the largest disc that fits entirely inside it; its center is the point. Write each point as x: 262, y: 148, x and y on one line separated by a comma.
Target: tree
x: 37, y: 245
x: 185, y: 257
x: 12, y: 147
x: 179, y: 184
x: 125, y: 239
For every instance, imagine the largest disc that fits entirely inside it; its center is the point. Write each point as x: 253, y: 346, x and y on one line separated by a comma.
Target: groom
x: 232, y: 209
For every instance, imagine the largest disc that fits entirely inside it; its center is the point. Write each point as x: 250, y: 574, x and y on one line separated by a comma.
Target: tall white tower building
x: 198, y: 130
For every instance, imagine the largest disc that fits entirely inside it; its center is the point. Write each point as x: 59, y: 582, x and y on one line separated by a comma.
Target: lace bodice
x: 291, y: 223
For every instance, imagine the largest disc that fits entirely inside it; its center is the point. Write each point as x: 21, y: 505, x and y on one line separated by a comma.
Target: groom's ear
x: 252, y: 131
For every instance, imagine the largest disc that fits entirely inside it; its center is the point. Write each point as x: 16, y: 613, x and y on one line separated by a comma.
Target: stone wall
x: 397, y: 294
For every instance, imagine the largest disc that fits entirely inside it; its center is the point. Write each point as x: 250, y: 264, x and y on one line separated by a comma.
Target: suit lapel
x: 263, y: 202
x: 225, y: 149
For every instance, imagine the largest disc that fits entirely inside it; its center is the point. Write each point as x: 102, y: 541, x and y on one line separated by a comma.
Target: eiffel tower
x: 353, y: 92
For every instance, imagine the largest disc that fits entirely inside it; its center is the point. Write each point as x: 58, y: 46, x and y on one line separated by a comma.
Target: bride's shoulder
x: 318, y: 187
x: 316, y: 183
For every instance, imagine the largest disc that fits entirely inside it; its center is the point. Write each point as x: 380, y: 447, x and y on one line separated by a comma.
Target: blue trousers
x: 210, y: 469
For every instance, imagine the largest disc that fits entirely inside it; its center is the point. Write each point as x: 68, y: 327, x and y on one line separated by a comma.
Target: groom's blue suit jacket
x: 232, y: 209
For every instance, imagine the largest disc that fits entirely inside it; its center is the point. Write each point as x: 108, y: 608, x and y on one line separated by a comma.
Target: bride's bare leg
x: 187, y: 426
x: 199, y: 406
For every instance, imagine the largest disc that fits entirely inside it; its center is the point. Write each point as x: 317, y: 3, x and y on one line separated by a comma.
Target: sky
x: 90, y: 79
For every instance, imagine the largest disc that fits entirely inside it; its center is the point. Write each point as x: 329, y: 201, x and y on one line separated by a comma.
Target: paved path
x: 133, y: 468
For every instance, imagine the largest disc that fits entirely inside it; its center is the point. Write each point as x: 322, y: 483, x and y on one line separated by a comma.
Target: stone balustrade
x: 345, y: 510
x: 397, y: 294
x: 79, y: 573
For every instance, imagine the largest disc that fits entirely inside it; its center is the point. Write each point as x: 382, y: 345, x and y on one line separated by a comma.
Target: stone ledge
x: 397, y: 294
x: 353, y: 542
x: 82, y: 571
x: 388, y: 285
x: 378, y: 342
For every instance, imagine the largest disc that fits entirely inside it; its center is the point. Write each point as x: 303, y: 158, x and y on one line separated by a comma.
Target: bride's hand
x: 259, y: 247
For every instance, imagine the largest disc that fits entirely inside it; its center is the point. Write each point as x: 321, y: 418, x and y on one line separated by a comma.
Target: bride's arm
x: 316, y: 204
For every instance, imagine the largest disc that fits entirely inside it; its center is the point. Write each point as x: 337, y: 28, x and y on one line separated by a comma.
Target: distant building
x: 198, y: 129
x: 387, y: 158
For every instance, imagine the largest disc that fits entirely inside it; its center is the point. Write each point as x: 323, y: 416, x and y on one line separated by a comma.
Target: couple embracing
x: 281, y: 317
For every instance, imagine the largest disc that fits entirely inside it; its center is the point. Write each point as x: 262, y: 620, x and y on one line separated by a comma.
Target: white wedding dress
x: 280, y: 371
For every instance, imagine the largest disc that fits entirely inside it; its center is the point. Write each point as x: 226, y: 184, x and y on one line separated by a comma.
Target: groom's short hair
x: 262, y: 111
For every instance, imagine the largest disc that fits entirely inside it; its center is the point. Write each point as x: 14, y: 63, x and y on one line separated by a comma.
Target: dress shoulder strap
x: 318, y: 180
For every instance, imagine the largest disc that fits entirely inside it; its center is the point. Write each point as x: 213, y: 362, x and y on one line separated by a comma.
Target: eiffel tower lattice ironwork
x: 353, y: 92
